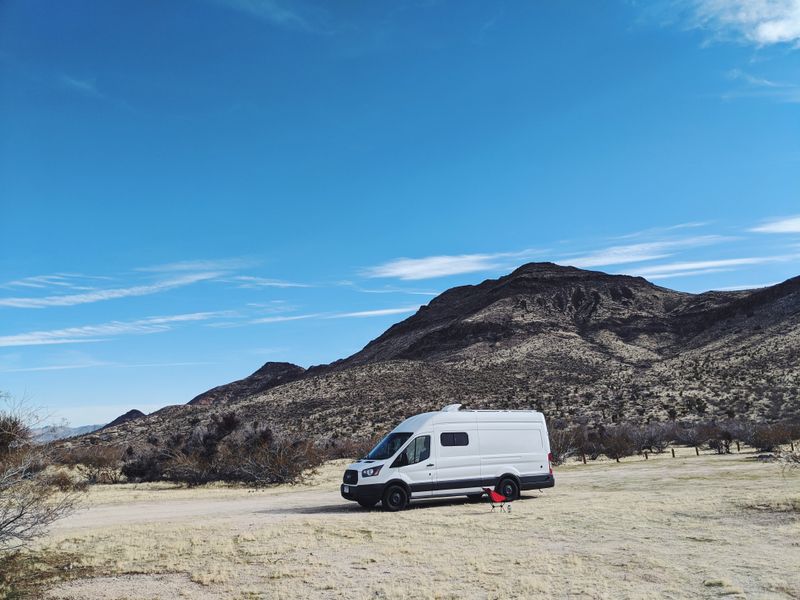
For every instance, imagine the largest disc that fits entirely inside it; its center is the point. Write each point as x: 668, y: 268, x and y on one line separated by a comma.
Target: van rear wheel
x: 508, y: 488
x: 395, y: 498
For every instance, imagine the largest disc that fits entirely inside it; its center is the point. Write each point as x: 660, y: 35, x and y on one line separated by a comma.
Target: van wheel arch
x: 512, y: 477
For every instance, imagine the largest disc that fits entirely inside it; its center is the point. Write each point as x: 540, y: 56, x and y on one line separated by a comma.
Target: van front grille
x: 350, y: 476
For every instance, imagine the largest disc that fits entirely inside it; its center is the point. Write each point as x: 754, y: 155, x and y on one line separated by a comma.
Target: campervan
x: 453, y: 452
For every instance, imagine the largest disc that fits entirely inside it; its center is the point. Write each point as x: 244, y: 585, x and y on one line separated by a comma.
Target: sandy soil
x: 708, y: 526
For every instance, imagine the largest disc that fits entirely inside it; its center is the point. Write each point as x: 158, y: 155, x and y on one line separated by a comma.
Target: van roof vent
x: 451, y: 408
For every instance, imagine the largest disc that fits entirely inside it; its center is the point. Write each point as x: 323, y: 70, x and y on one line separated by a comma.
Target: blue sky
x: 189, y: 189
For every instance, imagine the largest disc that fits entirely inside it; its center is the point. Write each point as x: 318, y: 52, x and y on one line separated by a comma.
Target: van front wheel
x: 395, y: 498
x: 367, y: 503
x: 508, y: 488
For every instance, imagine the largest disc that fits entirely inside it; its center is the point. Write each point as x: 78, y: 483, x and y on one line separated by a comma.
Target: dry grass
x: 708, y: 526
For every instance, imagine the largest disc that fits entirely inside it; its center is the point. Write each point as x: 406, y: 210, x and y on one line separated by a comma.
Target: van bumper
x: 537, y: 482
x: 363, y: 493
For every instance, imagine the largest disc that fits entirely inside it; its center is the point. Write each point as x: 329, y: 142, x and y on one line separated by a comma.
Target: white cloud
x: 285, y: 318
x: 282, y: 14
x: 96, y: 333
x: 98, y: 364
x: 57, y: 280
x: 783, y: 225
x: 82, y: 86
x: 251, y: 282
x: 704, y: 266
x: 630, y: 253
x: 344, y: 315
x: 761, y: 22
x: 374, y: 313
x: 736, y: 288
x: 441, y: 266
x: 107, y: 294
x: 220, y: 264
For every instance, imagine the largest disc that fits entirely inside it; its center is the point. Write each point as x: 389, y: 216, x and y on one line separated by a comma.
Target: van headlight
x: 372, y: 471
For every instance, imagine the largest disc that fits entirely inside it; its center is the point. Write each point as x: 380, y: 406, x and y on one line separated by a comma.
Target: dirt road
x: 704, y: 526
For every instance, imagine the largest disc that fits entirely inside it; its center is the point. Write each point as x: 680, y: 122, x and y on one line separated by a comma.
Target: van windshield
x: 388, y: 446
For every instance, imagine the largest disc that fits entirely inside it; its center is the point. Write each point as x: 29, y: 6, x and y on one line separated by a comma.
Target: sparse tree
x: 30, y: 497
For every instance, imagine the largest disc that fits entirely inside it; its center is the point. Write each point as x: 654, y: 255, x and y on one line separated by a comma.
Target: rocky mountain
x: 272, y: 374
x: 580, y: 345
x: 131, y: 415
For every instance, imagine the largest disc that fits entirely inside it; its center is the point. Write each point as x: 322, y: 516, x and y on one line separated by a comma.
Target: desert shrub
x: 770, y: 437
x: 590, y: 443
x: 30, y: 497
x: 618, y: 442
x: 356, y: 447
x: 225, y: 450
x: 96, y: 464
x: 565, y: 442
x: 653, y: 438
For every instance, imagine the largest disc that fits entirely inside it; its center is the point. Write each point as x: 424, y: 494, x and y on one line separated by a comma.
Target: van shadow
x: 347, y: 507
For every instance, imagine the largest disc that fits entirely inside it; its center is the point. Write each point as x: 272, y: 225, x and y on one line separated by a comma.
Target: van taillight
x: 550, y: 461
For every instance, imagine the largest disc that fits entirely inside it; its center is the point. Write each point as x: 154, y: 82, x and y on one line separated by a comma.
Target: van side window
x: 417, y: 451
x: 454, y: 439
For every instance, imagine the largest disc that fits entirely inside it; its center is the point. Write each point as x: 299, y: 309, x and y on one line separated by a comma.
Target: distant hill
x: 60, y: 432
x: 583, y: 346
x: 131, y: 415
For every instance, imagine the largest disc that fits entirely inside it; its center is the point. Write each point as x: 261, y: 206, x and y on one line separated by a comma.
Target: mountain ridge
x: 582, y: 345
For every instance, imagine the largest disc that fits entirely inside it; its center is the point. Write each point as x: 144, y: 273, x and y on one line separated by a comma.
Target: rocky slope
x: 580, y: 345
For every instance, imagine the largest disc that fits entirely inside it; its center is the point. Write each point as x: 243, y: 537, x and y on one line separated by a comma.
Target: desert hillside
x: 583, y: 346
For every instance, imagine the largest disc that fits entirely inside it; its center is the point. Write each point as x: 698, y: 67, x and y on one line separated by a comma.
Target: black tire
x: 509, y: 488
x: 367, y: 503
x: 395, y: 498
x: 474, y: 497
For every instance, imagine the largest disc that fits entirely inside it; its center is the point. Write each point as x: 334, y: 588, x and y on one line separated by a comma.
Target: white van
x: 453, y: 452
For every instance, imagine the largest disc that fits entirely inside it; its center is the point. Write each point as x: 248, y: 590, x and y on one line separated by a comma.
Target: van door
x: 417, y: 466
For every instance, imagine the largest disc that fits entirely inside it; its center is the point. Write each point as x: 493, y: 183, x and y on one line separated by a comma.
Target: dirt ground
x: 689, y: 527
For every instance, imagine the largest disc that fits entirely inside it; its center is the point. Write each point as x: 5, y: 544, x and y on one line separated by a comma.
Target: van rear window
x: 454, y: 439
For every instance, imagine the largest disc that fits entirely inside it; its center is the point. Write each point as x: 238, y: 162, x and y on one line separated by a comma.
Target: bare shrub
x: 96, y: 464
x: 353, y: 448
x: 565, y: 442
x: 30, y: 497
x: 618, y: 442
x: 224, y: 450
x: 769, y: 437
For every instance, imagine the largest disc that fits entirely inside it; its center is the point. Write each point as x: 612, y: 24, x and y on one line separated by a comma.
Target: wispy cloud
x: 252, y: 282
x: 760, y: 87
x: 107, y: 294
x: 62, y: 281
x: 294, y: 16
x: 101, y: 364
x: 219, y: 264
x: 782, y: 225
x: 96, y: 333
x: 700, y: 267
x: 359, y: 314
x: 760, y: 22
x: 381, y: 312
x: 736, y: 288
x: 631, y: 253
x: 410, y: 269
x: 82, y: 86
x: 281, y: 319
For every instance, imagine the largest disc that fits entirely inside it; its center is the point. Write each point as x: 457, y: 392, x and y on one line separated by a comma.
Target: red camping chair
x: 497, y: 498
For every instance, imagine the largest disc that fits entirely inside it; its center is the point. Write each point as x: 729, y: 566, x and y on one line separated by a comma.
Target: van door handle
x: 429, y: 465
